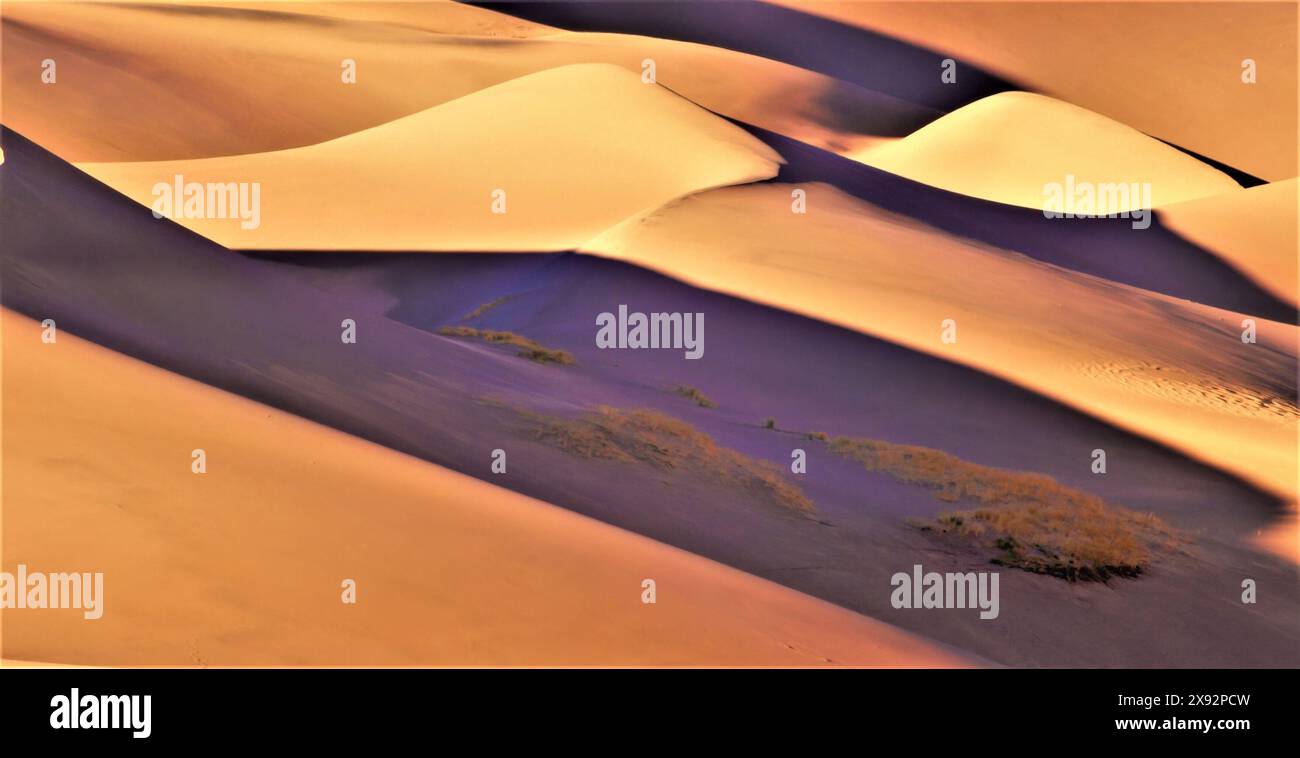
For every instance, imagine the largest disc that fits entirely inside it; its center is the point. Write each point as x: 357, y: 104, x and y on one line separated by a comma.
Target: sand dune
x: 1253, y: 229
x: 1142, y: 253
x: 877, y: 62
x: 574, y: 149
x: 178, y: 81
x: 1190, y: 55
x: 267, y: 328
x: 449, y: 570
x: 1172, y: 371
x: 1009, y: 146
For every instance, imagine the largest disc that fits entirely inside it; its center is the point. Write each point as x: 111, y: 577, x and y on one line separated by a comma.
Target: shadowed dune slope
x: 165, y: 81
x: 1253, y: 229
x: 268, y: 329
x: 1190, y: 55
x: 1157, y: 366
x: 1009, y: 147
x: 449, y: 570
x: 1153, y: 258
x: 596, y: 146
x: 878, y: 62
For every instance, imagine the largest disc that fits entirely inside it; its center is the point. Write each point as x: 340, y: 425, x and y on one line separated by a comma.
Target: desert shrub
x: 651, y: 438
x: 1030, y: 520
x: 693, y: 394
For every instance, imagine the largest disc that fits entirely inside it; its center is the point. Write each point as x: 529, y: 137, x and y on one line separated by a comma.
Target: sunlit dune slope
x: 1165, y: 368
x: 1253, y: 229
x: 243, y: 564
x: 565, y: 153
x: 1009, y: 146
x: 165, y: 82
x: 1170, y: 69
x: 441, y: 16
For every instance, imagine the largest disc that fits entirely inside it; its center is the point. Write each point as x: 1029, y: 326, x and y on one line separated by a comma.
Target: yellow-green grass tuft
x: 1029, y: 520
x: 665, y: 443
x: 527, y: 348
x: 693, y: 394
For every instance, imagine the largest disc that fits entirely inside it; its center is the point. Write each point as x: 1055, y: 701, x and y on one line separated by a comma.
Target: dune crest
x: 1008, y: 147
x: 1191, y: 55
x: 127, y: 90
x: 539, y: 163
x: 449, y: 570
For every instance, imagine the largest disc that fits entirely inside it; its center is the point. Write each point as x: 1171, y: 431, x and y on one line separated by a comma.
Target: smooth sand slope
x: 1008, y: 147
x: 1253, y: 229
x: 1167, y: 369
x: 575, y: 150
x: 167, y: 81
x: 1190, y: 91
x: 243, y: 564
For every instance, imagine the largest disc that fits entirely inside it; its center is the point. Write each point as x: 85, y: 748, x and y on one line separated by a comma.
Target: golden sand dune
x: 1190, y: 91
x: 1161, y: 367
x: 543, y: 162
x: 243, y: 564
x: 441, y: 16
x: 1010, y: 146
x: 1253, y: 229
x: 168, y: 81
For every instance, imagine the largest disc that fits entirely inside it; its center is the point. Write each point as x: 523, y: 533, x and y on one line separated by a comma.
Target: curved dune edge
x: 1253, y: 229
x: 242, y: 565
x: 1283, y: 538
x: 1190, y: 55
x: 284, y: 90
x: 1008, y: 147
x: 1169, y: 370
x: 574, y: 149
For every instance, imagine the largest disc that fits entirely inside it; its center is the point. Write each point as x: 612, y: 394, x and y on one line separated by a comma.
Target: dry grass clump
x: 528, y: 348
x: 1035, y: 522
x: 667, y: 444
x: 484, y: 308
x: 691, y: 393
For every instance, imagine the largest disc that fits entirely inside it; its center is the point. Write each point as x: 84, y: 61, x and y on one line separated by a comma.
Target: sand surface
x: 1254, y: 229
x: 1148, y: 363
x: 267, y: 328
x: 542, y: 162
x: 129, y: 89
x: 242, y: 565
x: 1010, y: 146
x: 1190, y: 92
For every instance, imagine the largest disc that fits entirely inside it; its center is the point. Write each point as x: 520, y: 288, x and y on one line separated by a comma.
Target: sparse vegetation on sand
x: 528, y: 348
x: 692, y: 393
x: 484, y: 308
x: 668, y: 444
x: 1030, y: 520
